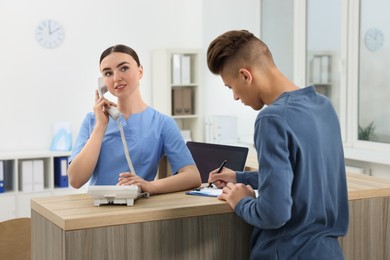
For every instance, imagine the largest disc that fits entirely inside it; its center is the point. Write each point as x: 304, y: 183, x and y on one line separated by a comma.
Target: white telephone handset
x: 115, y: 114
x: 112, y: 111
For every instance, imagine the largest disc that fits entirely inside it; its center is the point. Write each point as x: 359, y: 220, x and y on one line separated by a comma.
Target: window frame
x: 354, y: 149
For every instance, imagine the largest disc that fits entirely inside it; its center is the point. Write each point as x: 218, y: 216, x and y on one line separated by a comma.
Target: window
x: 374, y: 76
x: 323, y: 46
x: 342, y: 47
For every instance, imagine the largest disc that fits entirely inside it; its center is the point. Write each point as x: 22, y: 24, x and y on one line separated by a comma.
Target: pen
x: 221, y: 167
x: 219, y: 170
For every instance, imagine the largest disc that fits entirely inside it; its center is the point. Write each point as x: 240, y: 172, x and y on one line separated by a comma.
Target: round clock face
x: 49, y: 33
x: 374, y: 39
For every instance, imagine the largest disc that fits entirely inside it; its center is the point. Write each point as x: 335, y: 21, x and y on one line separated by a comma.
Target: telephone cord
x: 125, y: 148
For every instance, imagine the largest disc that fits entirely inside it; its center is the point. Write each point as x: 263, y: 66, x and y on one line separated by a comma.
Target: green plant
x: 367, y: 133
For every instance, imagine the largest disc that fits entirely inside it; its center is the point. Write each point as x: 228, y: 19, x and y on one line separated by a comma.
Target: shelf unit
x: 321, y: 72
x: 14, y: 202
x: 165, y: 84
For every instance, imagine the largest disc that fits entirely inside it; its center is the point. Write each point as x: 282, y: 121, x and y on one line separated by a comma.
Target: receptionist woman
x: 98, y: 155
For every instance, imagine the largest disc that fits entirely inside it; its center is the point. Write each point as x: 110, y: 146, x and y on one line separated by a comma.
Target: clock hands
x: 49, y: 25
x: 55, y: 30
x: 52, y: 29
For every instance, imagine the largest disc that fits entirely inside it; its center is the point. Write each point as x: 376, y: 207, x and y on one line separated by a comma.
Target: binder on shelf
x: 176, y: 69
x: 26, y: 176
x: 187, y: 101
x: 182, y: 100
x: 185, y: 69
x: 325, y: 69
x: 2, y: 184
x: 316, y: 69
x: 61, y: 171
x: 177, y: 108
x: 38, y: 175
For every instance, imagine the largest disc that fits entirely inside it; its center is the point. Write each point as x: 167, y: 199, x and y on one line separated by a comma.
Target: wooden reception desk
x: 170, y: 226
x: 369, y: 219
x: 179, y: 226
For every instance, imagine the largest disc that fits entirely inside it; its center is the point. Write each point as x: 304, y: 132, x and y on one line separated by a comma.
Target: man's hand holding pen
x: 221, y: 176
x: 225, y: 179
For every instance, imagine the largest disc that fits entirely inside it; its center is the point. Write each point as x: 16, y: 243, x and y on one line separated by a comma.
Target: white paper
x: 210, y: 192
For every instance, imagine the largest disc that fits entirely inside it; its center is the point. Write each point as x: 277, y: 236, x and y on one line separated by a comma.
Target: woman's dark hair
x: 120, y: 48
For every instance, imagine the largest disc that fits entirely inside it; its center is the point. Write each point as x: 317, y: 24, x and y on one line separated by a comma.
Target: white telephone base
x: 112, y: 194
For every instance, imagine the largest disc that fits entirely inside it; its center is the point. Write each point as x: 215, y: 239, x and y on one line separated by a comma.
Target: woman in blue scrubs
x: 98, y: 155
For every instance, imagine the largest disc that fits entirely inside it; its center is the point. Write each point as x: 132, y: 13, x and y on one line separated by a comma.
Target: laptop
x: 208, y: 157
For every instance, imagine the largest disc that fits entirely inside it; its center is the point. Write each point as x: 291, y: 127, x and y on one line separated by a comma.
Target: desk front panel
x: 219, y: 236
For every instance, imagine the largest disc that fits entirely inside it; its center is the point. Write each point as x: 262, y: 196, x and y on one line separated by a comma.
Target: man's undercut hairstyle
x: 237, y: 49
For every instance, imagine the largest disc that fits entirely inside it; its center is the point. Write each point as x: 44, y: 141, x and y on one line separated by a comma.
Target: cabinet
x: 176, y: 89
x: 18, y: 181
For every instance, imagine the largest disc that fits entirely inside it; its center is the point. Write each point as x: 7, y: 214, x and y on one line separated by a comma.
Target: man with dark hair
x: 302, y: 206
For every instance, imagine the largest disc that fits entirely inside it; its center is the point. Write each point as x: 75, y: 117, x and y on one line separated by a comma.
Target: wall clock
x: 374, y: 39
x: 49, y: 33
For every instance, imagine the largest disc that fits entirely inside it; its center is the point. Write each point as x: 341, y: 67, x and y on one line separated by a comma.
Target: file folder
x: 182, y: 101
x: 185, y: 69
x: 187, y: 101
x: 2, y: 188
x: 176, y: 69
x: 61, y: 171
x: 26, y: 176
x: 177, y: 106
x: 38, y: 175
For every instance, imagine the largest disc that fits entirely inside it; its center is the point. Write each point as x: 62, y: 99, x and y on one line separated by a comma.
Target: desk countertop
x: 364, y: 187
x: 71, y: 212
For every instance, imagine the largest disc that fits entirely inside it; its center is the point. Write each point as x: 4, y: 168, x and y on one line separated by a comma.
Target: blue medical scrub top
x: 150, y: 135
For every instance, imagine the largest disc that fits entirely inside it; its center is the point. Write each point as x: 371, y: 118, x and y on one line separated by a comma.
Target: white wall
x: 220, y: 16
x: 40, y: 87
x: 46, y: 86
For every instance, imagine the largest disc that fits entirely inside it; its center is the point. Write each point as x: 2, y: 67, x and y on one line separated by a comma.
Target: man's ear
x: 246, y: 75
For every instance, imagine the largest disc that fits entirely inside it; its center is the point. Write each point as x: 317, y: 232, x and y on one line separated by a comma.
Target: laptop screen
x: 209, y: 156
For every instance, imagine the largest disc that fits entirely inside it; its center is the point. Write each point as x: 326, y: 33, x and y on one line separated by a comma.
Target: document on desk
x: 208, y: 192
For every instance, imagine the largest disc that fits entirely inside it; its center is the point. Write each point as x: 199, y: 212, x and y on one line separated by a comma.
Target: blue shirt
x: 303, y: 202
x: 150, y: 135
